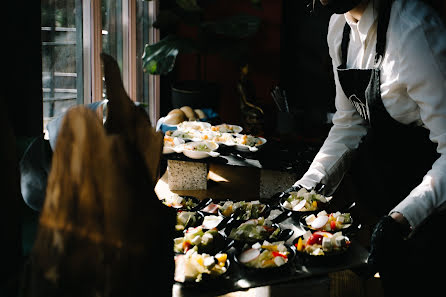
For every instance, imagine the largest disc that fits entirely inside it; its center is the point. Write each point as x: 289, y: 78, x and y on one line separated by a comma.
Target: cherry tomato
x: 315, y: 239
x: 277, y: 254
x: 333, y: 225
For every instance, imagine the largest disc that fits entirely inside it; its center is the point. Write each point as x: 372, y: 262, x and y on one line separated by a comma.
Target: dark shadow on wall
x: 306, y: 70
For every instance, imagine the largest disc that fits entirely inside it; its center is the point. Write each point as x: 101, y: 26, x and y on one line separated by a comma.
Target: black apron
x: 392, y: 157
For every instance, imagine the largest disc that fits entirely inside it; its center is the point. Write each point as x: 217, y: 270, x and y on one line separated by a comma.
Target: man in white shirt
x: 389, y: 60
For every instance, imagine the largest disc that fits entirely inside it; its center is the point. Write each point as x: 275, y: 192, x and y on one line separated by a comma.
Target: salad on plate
x: 194, y: 125
x: 247, y: 142
x: 199, y: 149
x: 170, y: 143
x: 322, y: 243
x: 181, y: 202
x: 265, y: 255
x: 328, y: 222
x: 186, y: 219
x: 304, y: 200
x: 224, y: 138
x: 193, y: 266
x: 244, y: 210
x: 255, y: 230
x: 227, y: 128
x: 184, y: 134
x: 199, y: 239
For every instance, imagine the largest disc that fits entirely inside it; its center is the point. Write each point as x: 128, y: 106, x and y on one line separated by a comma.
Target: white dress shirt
x: 413, y: 90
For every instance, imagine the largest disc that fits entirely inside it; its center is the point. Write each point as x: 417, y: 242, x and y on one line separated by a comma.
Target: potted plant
x: 227, y: 36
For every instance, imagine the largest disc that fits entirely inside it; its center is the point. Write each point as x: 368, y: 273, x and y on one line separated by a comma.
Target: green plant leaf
x: 159, y: 58
x: 237, y: 26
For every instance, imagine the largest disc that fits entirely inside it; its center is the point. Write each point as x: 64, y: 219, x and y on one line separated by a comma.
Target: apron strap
x: 383, y: 22
x: 344, y: 45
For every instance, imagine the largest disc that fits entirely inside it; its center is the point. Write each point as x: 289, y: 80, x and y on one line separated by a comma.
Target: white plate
x: 227, y: 128
x: 168, y: 149
x: 194, y: 125
x: 188, y: 149
x: 248, y: 148
x: 225, y: 139
x: 185, y: 134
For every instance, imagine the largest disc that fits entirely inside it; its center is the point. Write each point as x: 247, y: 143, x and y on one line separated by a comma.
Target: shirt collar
x: 367, y: 20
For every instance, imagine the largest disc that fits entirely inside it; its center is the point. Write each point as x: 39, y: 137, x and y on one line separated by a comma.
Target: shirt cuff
x: 417, y: 206
x: 310, y: 179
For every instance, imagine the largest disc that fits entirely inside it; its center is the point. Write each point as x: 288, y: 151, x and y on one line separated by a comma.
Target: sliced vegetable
x: 319, y: 222
x: 299, y: 244
x: 249, y: 255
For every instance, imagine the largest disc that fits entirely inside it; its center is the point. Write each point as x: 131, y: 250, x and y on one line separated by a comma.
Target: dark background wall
x: 289, y: 50
x: 306, y: 71
x: 263, y: 59
x: 21, y: 82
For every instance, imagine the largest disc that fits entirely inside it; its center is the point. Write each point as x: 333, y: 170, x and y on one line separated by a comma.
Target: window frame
x: 92, y: 45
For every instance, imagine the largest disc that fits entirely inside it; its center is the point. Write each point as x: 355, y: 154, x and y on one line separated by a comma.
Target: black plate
x: 279, y: 198
x: 197, y: 223
x: 347, y: 231
x: 284, y: 234
x: 236, y: 214
x: 220, y: 246
x: 198, y: 204
x: 291, y: 256
x: 207, y: 279
x: 326, y: 259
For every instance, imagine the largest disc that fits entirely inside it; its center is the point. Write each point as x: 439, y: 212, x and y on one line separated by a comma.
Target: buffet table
x: 237, y: 176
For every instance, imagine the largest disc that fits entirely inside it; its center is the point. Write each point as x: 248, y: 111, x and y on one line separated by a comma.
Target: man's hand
x: 398, y: 217
x: 388, y: 245
x: 292, y: 189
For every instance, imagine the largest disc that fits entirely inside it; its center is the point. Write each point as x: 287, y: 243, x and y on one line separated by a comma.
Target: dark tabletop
x: 237, y: 278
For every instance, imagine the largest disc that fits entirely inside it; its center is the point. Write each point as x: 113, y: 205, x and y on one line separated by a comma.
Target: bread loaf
x: 200, y: 113
x: 174, y: 118
x: 176, y: 110
x: 190, y: 113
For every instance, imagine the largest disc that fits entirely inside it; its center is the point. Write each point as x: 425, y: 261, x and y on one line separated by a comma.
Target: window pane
x: 143, y: 24
x: 61, y: 35
x: 112, y: 30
